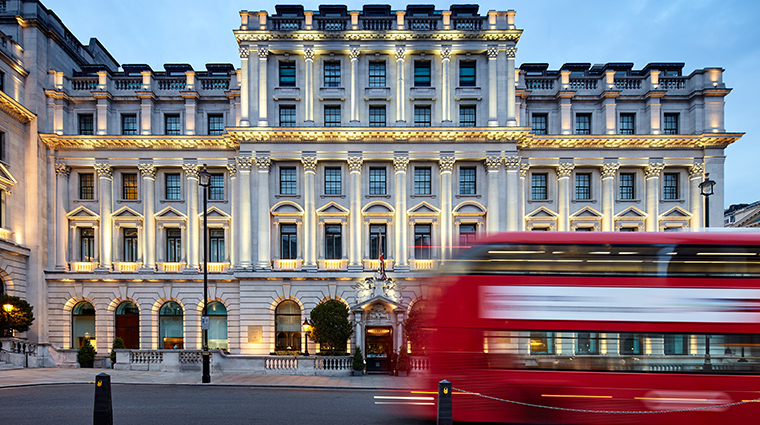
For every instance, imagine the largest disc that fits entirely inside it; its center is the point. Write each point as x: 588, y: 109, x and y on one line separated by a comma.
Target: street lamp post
x: 306, y: 328
x: 205, y: 182
x: 8, y: 307
x: 706, y: 189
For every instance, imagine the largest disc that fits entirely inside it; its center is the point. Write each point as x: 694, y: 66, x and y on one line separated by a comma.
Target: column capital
x: 400, y: 52
x: 565, y: 169
x: 191, y: 170
x: 309, y: 163
x: 447, y: 163
x: 493, y: 162
x: 244, y: 163
x: 609, y: 169
x: 354, y: 53
x: 263, y: 52
x: 697, y: 170
x: 104, y: 170
x: 263, y: 163
x: 653, y: 169
x: 308, y: 53
x: 355, y: 164
x: 511, y: 52
x: 147, y: 169
x: 400, y: 163
x: 232, y: 168
x: 512, y: 162
x: 62, y: 170
x: 244, y: 52
x: 524, y: 168
x: 493, y: 52
x: 445, y: 52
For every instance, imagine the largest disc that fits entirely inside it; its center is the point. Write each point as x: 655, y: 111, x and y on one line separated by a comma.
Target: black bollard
x: 445, y: 410
x: 103, y: 413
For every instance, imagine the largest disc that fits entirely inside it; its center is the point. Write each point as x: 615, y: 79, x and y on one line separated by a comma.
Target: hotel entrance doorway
x: 379, y: 347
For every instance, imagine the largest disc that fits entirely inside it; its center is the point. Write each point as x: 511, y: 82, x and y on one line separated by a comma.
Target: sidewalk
x: 49, y: 376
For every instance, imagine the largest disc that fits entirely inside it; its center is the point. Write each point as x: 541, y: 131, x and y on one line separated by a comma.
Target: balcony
x: 82, y: 266
x: 289, y: 265
x: 287, y: 93
x: 218, y: 267
x: 341, y: 264
x: 468, y: 93
x: 374, y: 265
x: 170, y: 267
x: 377, y: 93
x: 332, y: 93
x: 424, y: 264
x: 127, y: 267
x: 422, y: 93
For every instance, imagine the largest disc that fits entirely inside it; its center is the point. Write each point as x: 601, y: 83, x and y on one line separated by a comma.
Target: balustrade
x: 628, y: 83
x: 422, y: 24
x: 331, y: 24
x: 128, y: 84
x: 172, y: 84
x: 214, y: 83
x: 467, y: 24
x: 378, y: 24
x: 539, y: 84
x: 84, y: 84
x: 673, y: 83
x: 286, y: 24
x: 583, y: 83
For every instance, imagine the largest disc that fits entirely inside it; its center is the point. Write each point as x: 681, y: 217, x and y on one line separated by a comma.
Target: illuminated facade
x: 343, y: 136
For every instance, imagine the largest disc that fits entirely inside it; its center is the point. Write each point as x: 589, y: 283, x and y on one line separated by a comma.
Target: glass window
x: 377, y: 185
x: 377, y: 74
x: 288, y: 242
x: 670, y: 126
x: 467, y: 234
x: 630, y: 344
x: 129, y: 124
x: 377, y: 241
x: 87, y: 186
x: 626, y: 186
x: 217, y: 326
x: 173, y: 186
x: 467, y: 116
x: 287, y: 116
x: 129, y: 186
x: 216, y: 187
x: 676, y: 344
x: 130, y: 245
x: 377, y: 116
x: 333, y: 242
x: 422, y: 116
x: 216, y: 245
x: 215, y: 124
x: 82, y: 324
x: 421, y: 73
x: 466, y: 73
x: 288, y: 181
x: 287, y: 325
x: 332, y: 181
x: 542, y: 343
x: 422, y: 243
x: 173, y: 245
x: 287, y: 73
x: 467, y: 180
x: 171, y: 326
x: 538, y: 187
x: 671, y: 186
x: 539, y: 122
x: 171, y: 125
x: 332, y: 74
x: 627, y: 122
x: 582, y: 123
x: 332, y: 116
x: 87, y: 244
x: 86, y: 124
x: 583, y: 186
x: 422, y: 181
x: 587, y: 343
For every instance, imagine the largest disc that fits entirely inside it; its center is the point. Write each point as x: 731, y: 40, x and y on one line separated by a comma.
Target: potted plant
x: 358, y: 363
x: 403, y: 364
x: 86, y: 356
x: 117, y: 344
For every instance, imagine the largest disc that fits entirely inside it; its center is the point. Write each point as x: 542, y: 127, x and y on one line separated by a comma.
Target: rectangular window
x: 287, y: 73
x: 87, y: 244
x: 377, y: 185
x: 626, y: 186
x: 676, y: 344
x: 627, y: 123
x: 129, y: 124
x: 2, y: 81
x: 287, y: 116
x: 542, y: 343
x: 130, y: 245
x: 173, y: 187
x: 377, y: 241
x: 583, y: 186
x: 129, y: 186
x: 216, y: 245
x: 422, y: 244
x: 538, y: 189
x: 377, y: 74
x: 333, y: 242
x: 539, y: 123
x: 172, y: 125
x: 216, y: 187
x: 332, y: 116
x: 630, y: 344
x: 670, y: 124
x: 377, y: 116
x: 422, y: 116
x: 332, y: 181
x: 3, y: 148
x: 215, y: 124
x: 86, y: 124
x: 671, y: 186
x: 173, y: 245
x: 422, y: 181
x: 467, y: 234
x: 421, y: 73
x: 467, y: 181
x: 582, y: 123
x: 467, y: 73
x: 587, y: 343
x: 467, y: 116
x: 87, y: 186
x: 332, y: 74
x: 288, y: 181
x: 288, y: 242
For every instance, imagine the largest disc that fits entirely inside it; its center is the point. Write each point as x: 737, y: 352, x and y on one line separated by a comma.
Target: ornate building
x: 343, y: 137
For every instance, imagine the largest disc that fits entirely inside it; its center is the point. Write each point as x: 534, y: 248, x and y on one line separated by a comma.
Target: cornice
x: 55, y: 141
x: 643, y: 141
x: 15, y: 109
x: 388, y: 135
x: 310, y: 36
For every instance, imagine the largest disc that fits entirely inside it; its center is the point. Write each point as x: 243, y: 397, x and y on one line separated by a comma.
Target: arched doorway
x: 82, y: 324
x: 217, y: 327
x: 128, y: 324
x: 171, y: 326
x: 287, y: 326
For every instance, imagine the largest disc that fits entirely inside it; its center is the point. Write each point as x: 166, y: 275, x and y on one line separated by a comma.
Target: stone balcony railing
x: 374, y: 23
x: 121, y: 85
x: 628, y: 85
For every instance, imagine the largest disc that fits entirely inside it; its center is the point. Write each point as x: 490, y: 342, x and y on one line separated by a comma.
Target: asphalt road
x: 165, y: 404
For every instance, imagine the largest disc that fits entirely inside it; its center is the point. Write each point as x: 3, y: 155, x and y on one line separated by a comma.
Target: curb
x: 188, y: 384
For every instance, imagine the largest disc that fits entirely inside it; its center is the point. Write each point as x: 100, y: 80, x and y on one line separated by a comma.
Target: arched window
x: 128, y: 324
x: 217, y: 327
x: 287, y: 326
x: 82, y: 324
x: 170, y: 326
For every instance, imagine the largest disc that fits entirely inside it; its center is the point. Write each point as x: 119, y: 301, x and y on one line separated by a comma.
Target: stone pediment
x: 378, y: 208
x: 469, y: 208
x: 631, y: 213
x: 587, y: 213
x: 367, y: 304
x: 287, y: 208
x: 542, y: 213
x: 332, y: 208
x: 6, y: 179
x: 126, y: 213
x: 82, y: 213
x: 423, y: 208
x: 676, y: 213
x: 170, y: 213
x: 215, y: 214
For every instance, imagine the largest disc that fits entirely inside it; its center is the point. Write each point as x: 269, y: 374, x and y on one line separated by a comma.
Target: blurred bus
x: 647, y: 322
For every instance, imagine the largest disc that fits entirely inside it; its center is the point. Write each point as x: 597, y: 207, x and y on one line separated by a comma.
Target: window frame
x: 422, y: 78
x: 628, y: 188
x: 376, y: 246
x: 86, y: 124
x: 175, y: 194
x: 376, y: 79
x: 216, y: 187
x: 670, y: 123
x: 286, y: 184
x: 670, y: 189
x: 83, y: 190
x: 173, y: 245
x: 170, y: 129
x: 627, y: 127
x: 213, y: 130
x: 470, y: 64
x: 580, y: 125
x: 468, y: 119
x: 129, y: 191
x: 333, y: 186
x: 331, y: 74
x: 423, y: 180
x: 375, y: 184
x: 467, y: 185
x: 130, y: 245
x: 423, y: 119
x: 537, y: 190
x: 536, y: 117
x: 289, y: 247
x: 423, y: 237
x: 216, y: 242
x: 332, y: 114
x: 333, y: 241
x: 126, y: 129
x: 87, y: 245
x: 283, y: 79
x: 377, y: 123
x: 583, y: 188
x: 284, y: 122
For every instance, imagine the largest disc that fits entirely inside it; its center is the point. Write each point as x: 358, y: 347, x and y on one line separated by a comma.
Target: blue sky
x: 700, y: 33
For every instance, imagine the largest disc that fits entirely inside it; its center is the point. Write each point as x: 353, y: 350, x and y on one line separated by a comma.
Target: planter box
x: 358, y: 373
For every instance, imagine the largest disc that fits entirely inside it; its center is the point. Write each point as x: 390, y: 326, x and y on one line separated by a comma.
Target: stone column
x: 308, y: 241
x: 401, y: 253
x: 105, y: 175
x: 511, y: 119
x: 148, y: 171
x: 264, y: 259
x: 446, y: 164
x: 354, y: 53
x: 524, y: 169
x: 445, y: 84
x: 652, y: 173
x: 62, y: 173
x: 493, y: 165
x: 234, y: 228
x: 245, y: 105
x: 193, y: 225
x: 608, y: 171
x: 696, y: 176
x: 512, y: 165
x: 244, y: 231
x: 308, y: 96
x: 400, y: 91
x: 355, y: 223
x: 564, y: 171
x: 263, y: 56
x: 493, y: 87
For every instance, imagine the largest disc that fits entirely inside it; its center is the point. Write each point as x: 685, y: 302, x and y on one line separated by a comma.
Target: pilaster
x: 652, y: 172
x: 148, y: 171
x: 264, y: 239
x: 355, y: 223
x: 401, y: 253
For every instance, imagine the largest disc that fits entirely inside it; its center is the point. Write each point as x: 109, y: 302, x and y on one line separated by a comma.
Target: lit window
x: 87, y: 244
x: 129, y: 186
x: 332, y: 181
x: 467, y: 181
x: 627, y: 122
x: 377, y: 185
x: 86, y: 125
x: 171, y: 125
x: 631, y: 344
x: 215, y: 124
x: 467, y: 116
x: 538, y: 187
x: 287, y: 325
x: 421, y: 73
x: 583, y: 186
x: 332, y: 74
x: 87, y: 186
x: 288, y: 242
x: 288, y: 181
x: 422, y: 181
x: 587, y: 343
x: 466, y: 73
x: 542, y: 343
x: 422, y: 116
x: 583, y: 124
x: 287, y: 74
x: 377, y: 74
x: 671, y: 186
x: 129, y: 124
x: 173, y: 187
x: 287, y: 116
x: 539, y: 123
x: 627, y: 186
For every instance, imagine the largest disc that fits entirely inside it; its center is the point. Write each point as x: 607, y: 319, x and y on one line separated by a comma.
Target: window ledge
x: 288, y: 196
x: 622, y: 201
x: 128, y: 201
x: 679, y: 201
x: 548, y: 201
x: 423, y: 196
x: 332, y: 196
x: 468, y: 196
x: 378, y: 196
x: 583, y: 201
x: 179, y: 201
x: 77, y: 201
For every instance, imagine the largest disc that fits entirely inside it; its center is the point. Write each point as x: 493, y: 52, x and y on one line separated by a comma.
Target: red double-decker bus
x: 638, y: 325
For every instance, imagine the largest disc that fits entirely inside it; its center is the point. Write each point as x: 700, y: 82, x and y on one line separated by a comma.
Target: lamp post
x: 306, y: 329
x: 706, y: 189
x: 8, y: 307
x: 205, y: 182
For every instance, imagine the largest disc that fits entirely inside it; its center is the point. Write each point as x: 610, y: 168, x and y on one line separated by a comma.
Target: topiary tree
x: 117, y: 343
x: 21, y: 316
x: 86, y: 355
x: 358, y: 361
x: 415, y: 328
x: 330, y: 327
